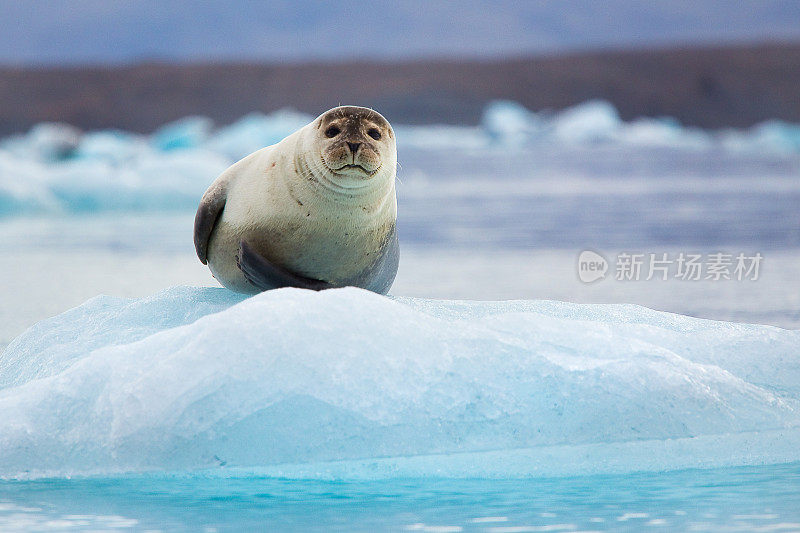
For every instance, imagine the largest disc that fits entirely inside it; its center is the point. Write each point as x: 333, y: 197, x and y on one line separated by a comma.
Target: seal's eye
x: 374, y: 133
x: 331, y: 132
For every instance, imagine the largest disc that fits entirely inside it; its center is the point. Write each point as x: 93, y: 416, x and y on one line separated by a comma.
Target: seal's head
x: 356, y: 143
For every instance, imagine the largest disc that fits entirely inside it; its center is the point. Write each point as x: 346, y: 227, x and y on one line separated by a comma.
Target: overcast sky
x: 91, y: 31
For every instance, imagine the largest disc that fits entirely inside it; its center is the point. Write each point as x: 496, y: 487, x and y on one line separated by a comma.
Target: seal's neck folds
x: 373, y: 192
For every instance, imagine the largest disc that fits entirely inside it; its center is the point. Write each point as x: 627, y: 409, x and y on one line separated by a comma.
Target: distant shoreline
x: 706, y: 86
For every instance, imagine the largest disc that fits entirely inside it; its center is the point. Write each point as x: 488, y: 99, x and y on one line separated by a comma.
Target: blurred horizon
x: 100, y: 64
x: 711, y: 87
x: 98, y: 32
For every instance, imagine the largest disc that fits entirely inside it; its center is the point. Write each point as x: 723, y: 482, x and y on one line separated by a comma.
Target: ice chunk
x: 664, y: 132
x: 111, y: 146
x: 174, y: 180
x: 48, y: 141
x: 48, y: 347
x: 346, y: 382
x: 509, y: 123
x: 55, y: 168
x: 593, y: 121
x: 189, y: 132
x: 771, y: 136
x: 779, y: 134
x: 255, y: 131
x: 151, y: 180
x: 23, y: 186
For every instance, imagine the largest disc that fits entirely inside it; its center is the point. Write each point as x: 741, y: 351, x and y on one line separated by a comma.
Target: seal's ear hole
x: 332, y: 131
x: 374, y: 133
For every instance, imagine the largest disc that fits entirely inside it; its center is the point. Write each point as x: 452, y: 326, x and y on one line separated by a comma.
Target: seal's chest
x: 327, y: 249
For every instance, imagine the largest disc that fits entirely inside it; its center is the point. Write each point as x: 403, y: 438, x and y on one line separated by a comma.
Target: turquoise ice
x: 55, y: 168
x: 346, y: 384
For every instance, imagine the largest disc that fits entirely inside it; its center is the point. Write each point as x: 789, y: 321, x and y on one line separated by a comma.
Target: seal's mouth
x: 345, y: 168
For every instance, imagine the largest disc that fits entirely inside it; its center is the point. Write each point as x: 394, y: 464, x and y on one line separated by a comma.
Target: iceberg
x: 188, y: 132
x: 48, y: 142
x: 510, y: 124
x: 146, y: 181
x: 348, y: 384
x: 666, y: 132
x: 774, y: 136
x: 255, y: 131
x: 23, y: 186
x: 591, y: 122
x: 111, y: 146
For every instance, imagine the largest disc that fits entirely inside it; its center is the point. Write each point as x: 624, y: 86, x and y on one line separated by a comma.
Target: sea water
x: 765, y: 498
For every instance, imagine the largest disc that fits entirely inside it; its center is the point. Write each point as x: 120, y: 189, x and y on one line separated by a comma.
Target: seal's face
x: 356, y: 142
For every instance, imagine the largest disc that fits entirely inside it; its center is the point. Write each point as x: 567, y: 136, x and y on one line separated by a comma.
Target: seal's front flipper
x: 265, y: 276
x: 210, y: 209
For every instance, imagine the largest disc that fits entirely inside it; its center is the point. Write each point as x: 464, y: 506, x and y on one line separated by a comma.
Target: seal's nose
x: 353, y: 147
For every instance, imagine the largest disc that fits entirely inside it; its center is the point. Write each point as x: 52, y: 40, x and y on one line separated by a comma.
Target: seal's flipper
x: 211, y: 206
x: 264, y: 275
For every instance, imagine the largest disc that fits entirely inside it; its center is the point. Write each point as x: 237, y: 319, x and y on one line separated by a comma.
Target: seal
x: 316, y: 210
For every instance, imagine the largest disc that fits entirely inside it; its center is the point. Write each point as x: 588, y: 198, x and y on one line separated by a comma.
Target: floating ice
x: 61, y: 169
x: 188, y: 132
x: 149, y: 180
x: 346, y: 383
x: 22, y: 185
x: 47, y: 141
x: 112, y: 146
x: 769, y: 136
x: 590, y: 122
x: 666, y: 132
x: 255, y: 131
x: 509, y: 123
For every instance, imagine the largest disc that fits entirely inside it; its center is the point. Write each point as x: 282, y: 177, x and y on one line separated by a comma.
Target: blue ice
x: 57, y: 168
x: 188, y: 132
x: 349, y: 384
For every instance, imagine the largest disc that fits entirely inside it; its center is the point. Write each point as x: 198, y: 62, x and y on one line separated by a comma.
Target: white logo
x: 591, y: 266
